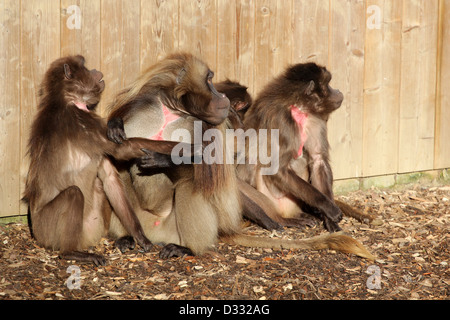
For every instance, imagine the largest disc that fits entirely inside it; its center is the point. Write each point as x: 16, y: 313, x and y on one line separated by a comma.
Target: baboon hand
x: 154, y: 159
x: 116, y: 131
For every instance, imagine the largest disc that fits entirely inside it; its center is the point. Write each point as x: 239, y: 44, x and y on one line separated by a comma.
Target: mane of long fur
x: 214, y: 177
x: 169, y: 80
x: 162, y: 78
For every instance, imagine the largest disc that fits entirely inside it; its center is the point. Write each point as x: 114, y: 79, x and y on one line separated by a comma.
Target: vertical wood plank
x: 40, y: 45
x: 159, y: 30
x: 396, y: 110
x: 418, y: 86
x: 198, y: 29
x: 131, y: 11
x: 71, y: 37
x: 442, y: 141
x: 281, y: 37
x: 261, y: 72
x: 86, y: 39
x: 382, y: 90
x: 273, y: 40
x: 10, y: 108
x: 235, y: 32
x: 119, y: 46
x: 311, y: 31
x: 90, y: 33
x: 227, y: 40
x: 346, y: 63
x: 111, y: 49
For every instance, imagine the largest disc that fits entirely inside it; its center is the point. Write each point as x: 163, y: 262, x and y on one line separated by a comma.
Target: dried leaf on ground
x: 410, y: 237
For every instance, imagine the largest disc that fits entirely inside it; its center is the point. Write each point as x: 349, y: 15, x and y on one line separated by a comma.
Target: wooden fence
x: 390, y: 58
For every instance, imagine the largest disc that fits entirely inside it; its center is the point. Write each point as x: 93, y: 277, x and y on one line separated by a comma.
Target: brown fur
x: 167, y: 200
x: 306, y: 87
x: 70, y: 178
x: 179, y: 83
x: 205, y: 200
x: 241, y: 101
x: 333, y: 241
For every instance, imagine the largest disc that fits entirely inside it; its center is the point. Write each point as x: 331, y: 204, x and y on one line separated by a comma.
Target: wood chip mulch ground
x: 409, y: 236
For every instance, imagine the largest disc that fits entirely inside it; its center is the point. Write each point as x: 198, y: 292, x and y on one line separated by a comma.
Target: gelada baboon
x: 298, y: 104
x: 71, y: 180
x: 188, y: 207
x: 241, y: 101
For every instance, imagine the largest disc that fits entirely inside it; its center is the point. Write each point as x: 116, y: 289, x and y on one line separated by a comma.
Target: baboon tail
x: 349, y: 211
x: 335, y: 241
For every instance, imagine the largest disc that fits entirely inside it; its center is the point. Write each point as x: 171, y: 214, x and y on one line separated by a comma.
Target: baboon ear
x: 67, y: 71
x: 240, y: 106
x: 181, y: 75
x: 80, y: 59
x: 310, y: 88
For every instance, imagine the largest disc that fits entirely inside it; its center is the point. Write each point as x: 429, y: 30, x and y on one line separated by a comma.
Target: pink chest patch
x: 300, y: 118
x: 82, y: 106
x: 168, y: 118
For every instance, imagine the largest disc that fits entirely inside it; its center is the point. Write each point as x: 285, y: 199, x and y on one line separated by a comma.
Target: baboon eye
x: 211, y: 86
x: 209, y: 77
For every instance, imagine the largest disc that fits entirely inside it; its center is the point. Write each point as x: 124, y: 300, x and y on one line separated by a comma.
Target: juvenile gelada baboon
x: 71, y: 181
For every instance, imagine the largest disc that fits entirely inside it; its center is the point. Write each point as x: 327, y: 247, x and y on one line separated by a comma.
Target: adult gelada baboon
x: 241, y: 101
x: 187, y: 207
x: 71, y: 181
x: 172, y: 94
x: 298, y: 104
